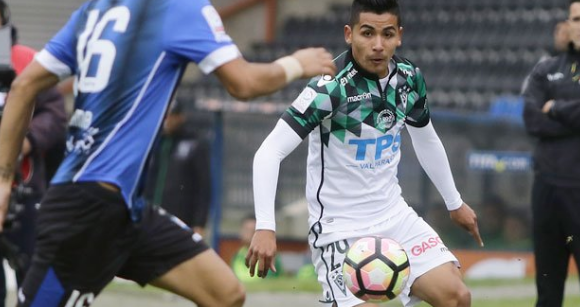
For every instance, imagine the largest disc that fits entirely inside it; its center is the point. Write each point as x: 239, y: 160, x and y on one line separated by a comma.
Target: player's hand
x: 548, y: 106
x: 261, y: 252
x: 5, y: 190
x: 467, y: 219
x: 315, y: 62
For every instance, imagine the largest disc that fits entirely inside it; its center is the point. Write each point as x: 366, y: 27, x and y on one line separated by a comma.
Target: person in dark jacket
x: 46, y: 131
x: 552, y: 115
x: 179, y: 178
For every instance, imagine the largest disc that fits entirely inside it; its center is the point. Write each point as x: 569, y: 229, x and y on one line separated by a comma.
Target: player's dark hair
x: 4, y: 13
x: 574, y: 1
x: 374, y: 6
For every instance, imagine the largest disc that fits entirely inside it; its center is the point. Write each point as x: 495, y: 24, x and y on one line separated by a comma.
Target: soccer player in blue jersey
x: 127, y: 57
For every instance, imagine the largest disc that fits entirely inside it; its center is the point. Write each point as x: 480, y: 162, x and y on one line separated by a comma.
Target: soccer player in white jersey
x: 354, y: 122
x: 127, y: 57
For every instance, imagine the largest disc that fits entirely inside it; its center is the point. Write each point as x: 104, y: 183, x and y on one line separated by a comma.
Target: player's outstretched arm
x: 245, y: 80
x: 15, y: 120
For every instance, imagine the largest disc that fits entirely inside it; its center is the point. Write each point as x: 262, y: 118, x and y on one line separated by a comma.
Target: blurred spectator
x: 238, y: 262
x: 46, y: 131
x: 561, y: 37
x: 179, y: 177
x: 552, y: 116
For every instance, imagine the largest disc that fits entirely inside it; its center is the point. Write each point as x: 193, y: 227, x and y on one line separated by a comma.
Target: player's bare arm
x: 15, y: 120
x: 245, y: 80
x: 548, y: 106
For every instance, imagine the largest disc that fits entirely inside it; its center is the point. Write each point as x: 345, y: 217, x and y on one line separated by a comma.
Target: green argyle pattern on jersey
x: 350, y: 100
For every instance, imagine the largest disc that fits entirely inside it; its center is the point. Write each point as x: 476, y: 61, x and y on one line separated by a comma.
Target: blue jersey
x: 127, y: 57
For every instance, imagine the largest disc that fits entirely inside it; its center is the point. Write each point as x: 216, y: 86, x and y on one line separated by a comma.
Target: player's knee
x: 235, y: 297
x: 461, y: 297
x: 453, y: 296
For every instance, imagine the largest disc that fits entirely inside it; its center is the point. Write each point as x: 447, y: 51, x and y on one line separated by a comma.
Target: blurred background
x: 475, y: 55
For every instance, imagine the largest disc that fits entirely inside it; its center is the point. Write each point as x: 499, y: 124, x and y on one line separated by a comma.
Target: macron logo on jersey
x: 358, y: 97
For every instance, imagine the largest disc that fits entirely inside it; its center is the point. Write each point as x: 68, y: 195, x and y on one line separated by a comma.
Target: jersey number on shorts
x: 340, y: 247
x: 91, y: 47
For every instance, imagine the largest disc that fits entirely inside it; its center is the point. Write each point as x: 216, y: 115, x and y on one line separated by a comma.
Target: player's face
x: 574, y: 21
x: 374, y: 40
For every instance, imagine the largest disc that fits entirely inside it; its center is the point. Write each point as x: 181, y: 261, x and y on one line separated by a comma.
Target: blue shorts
x: 85, y: 237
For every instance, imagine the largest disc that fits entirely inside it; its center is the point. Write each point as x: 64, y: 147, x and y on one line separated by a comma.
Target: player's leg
x: 551, y: 254
x: 84, y: 237
x: 328, y: 258
x: 169, y: 255
x: 430, y: 260
x: 214, y: 283
x: 569, y: 215
x: 442, y: 287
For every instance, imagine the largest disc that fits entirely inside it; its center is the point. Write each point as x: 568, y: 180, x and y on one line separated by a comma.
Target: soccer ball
x: 376, y: 269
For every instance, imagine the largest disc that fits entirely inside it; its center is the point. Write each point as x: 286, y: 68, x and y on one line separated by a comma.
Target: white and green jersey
x: 354, y: 122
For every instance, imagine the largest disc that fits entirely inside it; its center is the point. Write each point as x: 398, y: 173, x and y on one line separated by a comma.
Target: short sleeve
x: 59, y: 54
x: 194, y: 30
x: 418, y: 115
x: 307, y: 111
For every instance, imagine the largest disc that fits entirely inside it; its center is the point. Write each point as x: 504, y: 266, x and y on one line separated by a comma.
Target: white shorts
x: 422, y: 244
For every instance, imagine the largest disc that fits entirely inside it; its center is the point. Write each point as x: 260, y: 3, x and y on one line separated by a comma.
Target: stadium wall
x: 248, y: 26
x: 39, y: 20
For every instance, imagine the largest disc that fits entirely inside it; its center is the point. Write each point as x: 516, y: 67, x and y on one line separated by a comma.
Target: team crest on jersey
x: 338, y: 279
x: 404, y: 94
x: 404, y: 97
x: 385, y: 120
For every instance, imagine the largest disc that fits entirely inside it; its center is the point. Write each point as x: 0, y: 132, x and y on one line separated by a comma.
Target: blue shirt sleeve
x: 193, y: 29
x: 63, y: 45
